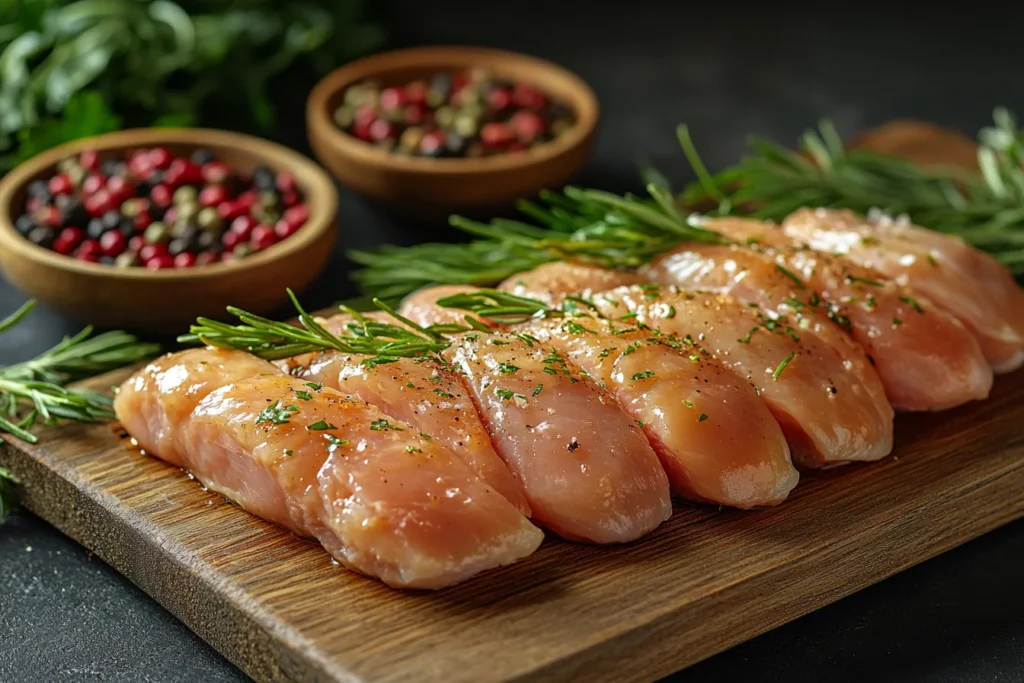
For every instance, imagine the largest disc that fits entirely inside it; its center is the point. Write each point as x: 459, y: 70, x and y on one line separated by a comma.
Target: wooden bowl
x: 433, y: 188
x: 167, y: 301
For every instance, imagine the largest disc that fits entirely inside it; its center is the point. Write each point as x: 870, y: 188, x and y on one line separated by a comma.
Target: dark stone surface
x: 728, y: 71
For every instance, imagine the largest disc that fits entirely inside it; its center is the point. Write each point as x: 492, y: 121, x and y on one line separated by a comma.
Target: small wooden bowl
x: 434, y: 188
x: 168, y: 301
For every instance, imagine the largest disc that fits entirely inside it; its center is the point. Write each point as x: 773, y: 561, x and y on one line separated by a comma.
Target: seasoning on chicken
x: 924, y: 357
x: 909, y: 263
x: 381, y: 498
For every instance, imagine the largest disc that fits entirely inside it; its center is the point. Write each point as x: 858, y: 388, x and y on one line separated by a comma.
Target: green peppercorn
x: 242, y: 250
x: 127, y: 260
x: 444, y: 117
x: 187, y: 211
x: 157, y: 232
x: 209, y: 219
x: 435, y: 98
x: 410, y: 139
x: 560, y: 127
x: 269, y: 200
x: 345, y: 116
x: 466, y: 125
x: 185, y: 194
x: 132, y: 207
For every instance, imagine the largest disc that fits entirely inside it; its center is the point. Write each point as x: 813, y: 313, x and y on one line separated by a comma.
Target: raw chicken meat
x: 382, y: 499
x: 924, y: 357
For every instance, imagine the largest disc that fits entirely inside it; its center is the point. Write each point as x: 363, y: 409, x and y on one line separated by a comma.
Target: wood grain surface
x: 708, y: 579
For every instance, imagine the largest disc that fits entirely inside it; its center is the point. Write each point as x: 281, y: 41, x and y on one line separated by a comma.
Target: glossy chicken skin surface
x: 717, y: 440
x: 828, y: 398
x: 426, y: 395
x: 382, y: 499
x: 550, y: 282
x: 911, y: 264
x: 925, y: 358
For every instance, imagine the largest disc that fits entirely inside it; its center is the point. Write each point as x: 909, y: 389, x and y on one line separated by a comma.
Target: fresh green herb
x: 383, y: 425
x: 670, y: 312
x: 605, y: 352
x: 687, y: 403
x: 378, y: 360
x: 289, y: 452
x: 863, y: 281
x: 750, y: 335
x: 702, y: 417
x: 443, y: 394
x: 641, y: 424
x: 912, y: 303
x: 646, y: 374
x: 36, y: 389
x: 275, y: 414
x: 782, y: 366
x: 694, y: 358
x: 896, y: 322
x: 507, y: 368
x: 631, y: 348
x: 410, y: 385
x: 537, y: 389
x: 335, y: 442
x: 791, y: 275
x: 426, y: 437
x: 74, y: 69
x: 499, y: 342
x: 319, y: 426
x: 435, y: 379
x: 413, y: 449
x: 315, y: 386
x: 303, y: 395
x: 573, y: 327
x: 629, y: 316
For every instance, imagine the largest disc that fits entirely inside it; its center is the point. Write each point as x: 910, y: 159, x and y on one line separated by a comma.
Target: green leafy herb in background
x: 72, y: 69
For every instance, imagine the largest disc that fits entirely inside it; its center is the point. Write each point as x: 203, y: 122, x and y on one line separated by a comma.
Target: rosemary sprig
x: 35, y: 389
x: 986, y: 209
x: 499, y: 306
x: 590, y: 226
x: 272, y: 340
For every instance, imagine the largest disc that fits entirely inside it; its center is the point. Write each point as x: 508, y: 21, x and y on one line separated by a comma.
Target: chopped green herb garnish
x: 750, y: 335
x: 688, y: 403
x: 410, y: 385
x: 604, y: 352
x: 694, y: 358
x: 792, y: 276
x: 863, y: 281
x: 527, y: 339
x: 537, y: 389
x: 276, y: 414
x: 573, y: 327
x: 289, y: 452
x: 499, y: 342
x: 383, y: 425
x: 896, y: 322
x: 507, y: 368
x: 629, y: 316
x: 931, y: 259
x: 435, y: 379
x: 631, y: 348
x: 315, y: 386
x: 670, y: 312
x: 913, y: 304
x: 703, y: 416
x: 335, y: 442
x: 426, y: 437
x: 640, y: 423
x: 320, y: 426
x: 413, y: 449
x: 783, y: 364
x: 646, y: 374
x: 303, y: 395
x: 378, y: 360
x: 443, y: 394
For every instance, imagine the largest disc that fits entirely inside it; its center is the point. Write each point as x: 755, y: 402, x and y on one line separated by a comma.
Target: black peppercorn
x: 126, y: 226
x: 39, y: 188
x: 111, y: 219
x: 263, y: 179
x: 112, y: 167
x: 74, y: 213
x: 96, y: 228
x: 201, y: 156
x: 207, y: 239
x: 177, y: 246
x: 107, y: 260
x: 43, y: 236
x: 455, y: 144
x: 24, y: 224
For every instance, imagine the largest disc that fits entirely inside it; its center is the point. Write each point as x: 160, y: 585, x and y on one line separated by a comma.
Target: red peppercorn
x: 416, y: 92
x: 161, y: 195
x: 496, y: 134
x: 365, y: 114
x: 185, y: 259
x: 33, y: 204
x: 68, y: 240
x: 243, y: 225
x: 89, y: 160
x: 459, y: 81
x: 262, y: 238
x: 392, y: 98
x: 528, y: 126
x: 499, y: 98
x: 88, y: 248
x: 290, y: 197
x: 515, y: 147
x: 284, y: 229
x: 148, y: 252
x: 296, y: 215
x: 183, y: 172
x: 212, y: 195
x: 285, y: 182
x: 160, y: 157
x: 136, y: 243
x: 112, y: 243
x: 381, y: 130
x: 528, y: 97
x: 140, y: 164
x: 160, y: 262
x: 60, y: 184
x: 171, y: 215
x: 88, y: 258
x: 143, y: 220
x: 362, y: 131
x: 415, y: 114
x: 92, y: 183
x: 230, y: 210
x: 216, y: 172
x: 205, y: 258
x: 247, y: 199
x: 231, y: 239
x: 120, y: 189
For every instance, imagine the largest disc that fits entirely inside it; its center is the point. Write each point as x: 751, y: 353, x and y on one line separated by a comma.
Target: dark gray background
x: 728, y: 70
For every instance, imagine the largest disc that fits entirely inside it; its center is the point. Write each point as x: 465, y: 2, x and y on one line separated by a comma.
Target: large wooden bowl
x: 432, y: 188
x: 167, y: 301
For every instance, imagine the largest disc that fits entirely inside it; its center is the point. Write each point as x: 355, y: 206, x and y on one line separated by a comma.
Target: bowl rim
x: 583, y: 101
x: 321, y: 197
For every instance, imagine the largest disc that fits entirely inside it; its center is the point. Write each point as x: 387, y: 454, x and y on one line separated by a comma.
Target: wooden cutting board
x: 708, y: 579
